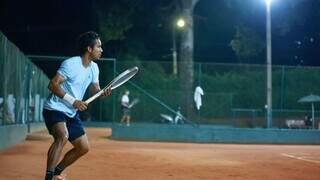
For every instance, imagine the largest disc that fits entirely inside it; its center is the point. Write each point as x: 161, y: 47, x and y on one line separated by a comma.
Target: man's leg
x: 60, y: 135
x: 123, y: 119
x: 80, y: 147
x: 128, y: 120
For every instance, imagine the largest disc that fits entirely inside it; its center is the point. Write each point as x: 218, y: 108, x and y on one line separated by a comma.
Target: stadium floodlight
x: 268, y: 2
x: 181, y: 23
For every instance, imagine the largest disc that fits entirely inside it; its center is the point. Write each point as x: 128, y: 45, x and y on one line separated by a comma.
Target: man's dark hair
x: 87, y: 39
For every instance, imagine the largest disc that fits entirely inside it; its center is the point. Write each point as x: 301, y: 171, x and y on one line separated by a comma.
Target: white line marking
x: 299, y: 158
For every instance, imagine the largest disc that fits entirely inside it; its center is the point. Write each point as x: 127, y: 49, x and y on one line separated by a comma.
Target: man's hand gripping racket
x: 134, y: 102
x: 116, y: 82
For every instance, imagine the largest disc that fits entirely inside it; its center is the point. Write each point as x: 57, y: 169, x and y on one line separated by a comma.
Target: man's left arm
x: 95, y: 87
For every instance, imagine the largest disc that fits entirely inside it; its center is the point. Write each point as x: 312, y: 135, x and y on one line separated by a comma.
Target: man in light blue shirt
x: 60, y: 111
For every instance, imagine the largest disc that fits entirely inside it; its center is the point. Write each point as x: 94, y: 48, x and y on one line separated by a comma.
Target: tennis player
x: 61, y: 110
x: 125, y: 107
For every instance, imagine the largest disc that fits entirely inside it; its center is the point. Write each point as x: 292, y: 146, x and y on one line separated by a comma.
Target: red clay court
x: 115, y: 160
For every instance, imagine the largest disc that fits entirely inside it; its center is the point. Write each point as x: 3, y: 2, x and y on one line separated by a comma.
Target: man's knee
x: 61, y: 140
x: 84, y: 149
x: 60, y: 133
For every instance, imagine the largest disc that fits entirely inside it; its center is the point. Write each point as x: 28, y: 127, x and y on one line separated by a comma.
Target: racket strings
x: 123, y: 79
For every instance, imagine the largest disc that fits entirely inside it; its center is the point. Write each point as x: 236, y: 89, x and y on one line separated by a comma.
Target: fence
x: 23, y: 86
x: 234, y: 94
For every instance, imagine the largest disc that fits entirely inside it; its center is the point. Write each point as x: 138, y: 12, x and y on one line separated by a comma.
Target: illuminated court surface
x: 110, y: 159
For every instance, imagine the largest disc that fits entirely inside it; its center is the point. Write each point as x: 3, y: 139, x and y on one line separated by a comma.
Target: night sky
x: 51, y: 27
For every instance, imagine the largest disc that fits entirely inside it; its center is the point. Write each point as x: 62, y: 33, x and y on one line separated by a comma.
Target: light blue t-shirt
x: 77, y: 79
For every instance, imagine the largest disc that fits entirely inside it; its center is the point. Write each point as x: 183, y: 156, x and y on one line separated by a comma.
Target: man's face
x: 96, y: 50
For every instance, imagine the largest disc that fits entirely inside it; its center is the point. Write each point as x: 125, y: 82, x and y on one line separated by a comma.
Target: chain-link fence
x: 234, y: 94
x: 23, y: 86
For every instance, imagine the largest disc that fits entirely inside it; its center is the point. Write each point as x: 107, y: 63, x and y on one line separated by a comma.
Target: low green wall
x: 37, y: 127
x: 13, y: 134
x: 212, y: 134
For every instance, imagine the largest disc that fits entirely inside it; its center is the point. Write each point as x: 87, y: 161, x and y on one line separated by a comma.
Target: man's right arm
x: 54, y: 87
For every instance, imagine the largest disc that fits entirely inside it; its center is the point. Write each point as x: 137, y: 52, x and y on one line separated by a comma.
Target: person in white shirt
x: 125, y: 107
x: 197, y: 97
x: 60, y: 110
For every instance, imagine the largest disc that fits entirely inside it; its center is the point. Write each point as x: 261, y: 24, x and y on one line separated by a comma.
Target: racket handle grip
x: 98, y: 94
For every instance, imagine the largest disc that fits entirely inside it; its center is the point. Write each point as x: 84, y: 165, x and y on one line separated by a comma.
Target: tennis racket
x: 116, y: 82
x: 134, y: 102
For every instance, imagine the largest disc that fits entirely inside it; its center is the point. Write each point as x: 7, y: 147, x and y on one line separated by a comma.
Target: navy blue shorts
x: 74, y: 125
x: 125, y: 111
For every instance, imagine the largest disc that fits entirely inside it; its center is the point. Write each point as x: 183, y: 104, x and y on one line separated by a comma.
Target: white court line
x: 299, y: 158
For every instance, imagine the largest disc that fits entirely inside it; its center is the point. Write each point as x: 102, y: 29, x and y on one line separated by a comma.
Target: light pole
x: 180, y: 23
x: 269, y: 63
